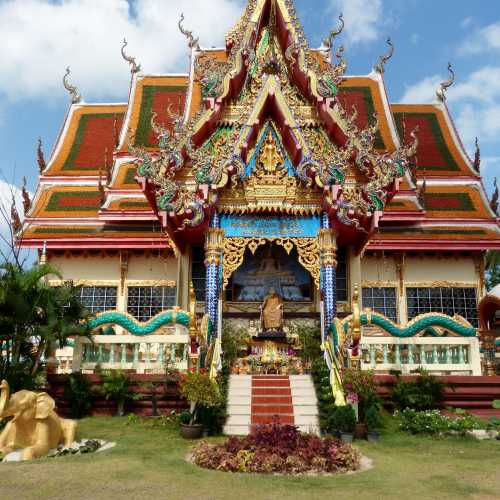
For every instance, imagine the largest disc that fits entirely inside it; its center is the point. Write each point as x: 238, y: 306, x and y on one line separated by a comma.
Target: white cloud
x: 466, y: 22
x: 41, y: 37
x: 422, y: 91
x: 362, y: 18
x: 482, y: 40
x: 490, y: 165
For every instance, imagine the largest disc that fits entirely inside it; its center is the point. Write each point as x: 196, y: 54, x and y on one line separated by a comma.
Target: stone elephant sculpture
x: 35, y: 427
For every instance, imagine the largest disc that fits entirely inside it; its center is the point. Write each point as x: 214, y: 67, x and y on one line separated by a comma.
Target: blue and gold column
x: 214, y: 240
x: 328, y: 261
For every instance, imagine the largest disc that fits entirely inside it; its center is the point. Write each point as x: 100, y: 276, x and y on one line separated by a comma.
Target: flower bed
x: 433, y: 422
x: 276, y: 448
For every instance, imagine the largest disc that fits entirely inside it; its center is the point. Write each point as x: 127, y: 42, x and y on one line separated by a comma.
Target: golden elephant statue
x: 35, y: 427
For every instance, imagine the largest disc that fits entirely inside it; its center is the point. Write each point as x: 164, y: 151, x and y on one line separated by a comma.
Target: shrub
x: 202, y: 392
x: 118, y: 387
x: 321, y: 378
x: 372, y: 418
x: 426, y: 392
x: 362, y: 383
x: 278, y: 448
x: 343, y: 419
x: 78, y: 393
x: 432, y: 422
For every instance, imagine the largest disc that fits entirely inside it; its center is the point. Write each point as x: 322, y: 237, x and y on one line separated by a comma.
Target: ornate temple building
x: 265, y: 167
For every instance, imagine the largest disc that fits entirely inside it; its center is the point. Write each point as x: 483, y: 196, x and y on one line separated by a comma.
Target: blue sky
x: 40, y: 38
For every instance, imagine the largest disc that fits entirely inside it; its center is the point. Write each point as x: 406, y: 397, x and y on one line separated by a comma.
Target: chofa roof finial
x: 328, y: 41
x: 380, y: 66
x: 477, y: 157
x: 192, y: 41
x: 134, y: 67
x: 444, y: 86
x: 26, y: 197
x: 40, y: 158
x: 494, y: 197
x: 73, y: 91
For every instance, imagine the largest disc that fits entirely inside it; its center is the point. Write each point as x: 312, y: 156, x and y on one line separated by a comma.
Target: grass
x: 150, y: 463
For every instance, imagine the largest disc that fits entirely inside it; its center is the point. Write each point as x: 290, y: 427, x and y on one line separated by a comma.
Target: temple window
x: 342, y: 287
x: 198, y: 273
x: 449, y: 301
x: 98, y: 298
x: 381, y: 300
x: 144, y: 302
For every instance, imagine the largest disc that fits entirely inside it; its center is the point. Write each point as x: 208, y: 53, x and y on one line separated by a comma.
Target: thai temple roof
x: 150, y: 172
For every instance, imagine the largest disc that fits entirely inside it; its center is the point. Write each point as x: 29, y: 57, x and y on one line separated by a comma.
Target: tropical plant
x: 310, y: 340
x: 343, y: 419
x: 276, y: 448
x: 326, y: 403
x: 78, y: 393
x: 116, y: 386
x: 492, y: 274
x: 362, y: 384
x: 35, y: 318
x: 425, y: 392
x: 202, y: 392
x: 372, y: 419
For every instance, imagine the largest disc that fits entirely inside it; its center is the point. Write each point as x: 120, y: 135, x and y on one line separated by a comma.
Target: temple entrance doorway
x: 269, y: 288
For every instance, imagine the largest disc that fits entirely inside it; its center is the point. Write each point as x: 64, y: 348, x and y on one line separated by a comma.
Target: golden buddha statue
x: 272, y: 312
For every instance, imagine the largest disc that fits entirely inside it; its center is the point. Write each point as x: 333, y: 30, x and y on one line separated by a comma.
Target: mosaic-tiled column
x: 213, y: 256
x: 328, y: 261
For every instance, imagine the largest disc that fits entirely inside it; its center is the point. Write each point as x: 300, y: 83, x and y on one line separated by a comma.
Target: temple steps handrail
x: 131, y: 325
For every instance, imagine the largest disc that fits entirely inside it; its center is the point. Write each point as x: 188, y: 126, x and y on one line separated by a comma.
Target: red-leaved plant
x: 277, y: 448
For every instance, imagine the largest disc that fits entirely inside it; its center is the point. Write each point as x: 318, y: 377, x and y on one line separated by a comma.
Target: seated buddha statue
x: 272, y: 312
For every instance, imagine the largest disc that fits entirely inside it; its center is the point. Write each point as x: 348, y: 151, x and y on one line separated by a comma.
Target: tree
x: 34, y: 316
x: 492, y: 275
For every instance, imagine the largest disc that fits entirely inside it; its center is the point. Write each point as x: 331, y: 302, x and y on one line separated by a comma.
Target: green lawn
x: 150, y: 463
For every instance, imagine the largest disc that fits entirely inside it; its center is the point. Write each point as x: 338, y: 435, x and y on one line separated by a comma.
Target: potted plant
x: 202, y: 392
x: 373, y: 421
x: 117, y: 387
x: 344, y: 421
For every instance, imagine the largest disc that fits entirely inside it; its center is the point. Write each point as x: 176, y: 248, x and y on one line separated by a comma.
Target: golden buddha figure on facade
x: 272, y: 312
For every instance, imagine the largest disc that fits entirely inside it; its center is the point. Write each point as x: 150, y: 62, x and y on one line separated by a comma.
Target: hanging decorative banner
x: 251, y: 226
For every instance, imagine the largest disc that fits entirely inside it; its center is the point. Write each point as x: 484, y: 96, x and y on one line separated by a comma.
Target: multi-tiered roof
x: 264, y: 125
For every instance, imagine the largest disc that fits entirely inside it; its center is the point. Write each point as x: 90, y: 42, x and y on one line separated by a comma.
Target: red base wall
x: 167, y: 401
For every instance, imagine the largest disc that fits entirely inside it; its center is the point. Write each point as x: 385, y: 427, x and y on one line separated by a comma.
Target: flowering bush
x: 280, y: 449
x: 432, y: 422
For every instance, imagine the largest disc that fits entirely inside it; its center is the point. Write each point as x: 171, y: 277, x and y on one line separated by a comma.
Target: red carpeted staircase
x: 262, y: 399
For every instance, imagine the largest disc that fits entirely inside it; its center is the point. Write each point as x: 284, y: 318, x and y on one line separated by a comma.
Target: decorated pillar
x: 213, y: 255
x: 328, y: 262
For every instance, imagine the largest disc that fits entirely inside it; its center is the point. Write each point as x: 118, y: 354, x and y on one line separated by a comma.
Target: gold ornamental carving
x: 234, y: 253
x: 327, y: 242
x: 214, y: 244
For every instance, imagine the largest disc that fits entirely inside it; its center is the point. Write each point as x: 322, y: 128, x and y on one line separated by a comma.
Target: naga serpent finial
x: 192, y: 41
x: 380, y: 66
x: 444, y: 86
x: 477, y: 157
x: 134, y: 67
x: 328, y: 41
x: 73, y: 91
x: 26, y: 198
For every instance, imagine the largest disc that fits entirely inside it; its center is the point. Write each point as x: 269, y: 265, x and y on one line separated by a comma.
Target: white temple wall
x: 79, y: 268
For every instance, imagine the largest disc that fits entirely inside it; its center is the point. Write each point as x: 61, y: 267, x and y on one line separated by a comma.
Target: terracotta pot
x: 191, y: 431
x: 360, y: 431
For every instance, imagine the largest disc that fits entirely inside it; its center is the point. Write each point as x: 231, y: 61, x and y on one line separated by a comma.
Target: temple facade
x: 266, y: 167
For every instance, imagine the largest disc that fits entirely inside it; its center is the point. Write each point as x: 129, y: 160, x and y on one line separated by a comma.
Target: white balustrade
x: 148, y: 354
x: 438, y: 355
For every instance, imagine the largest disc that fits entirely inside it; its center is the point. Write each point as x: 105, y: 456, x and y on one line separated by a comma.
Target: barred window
x: 341, y: 275
x: 98, y: 298
x: 144, y: 302
x: 381, y: 300
x: 449, y: 301
x: 198, y: 273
